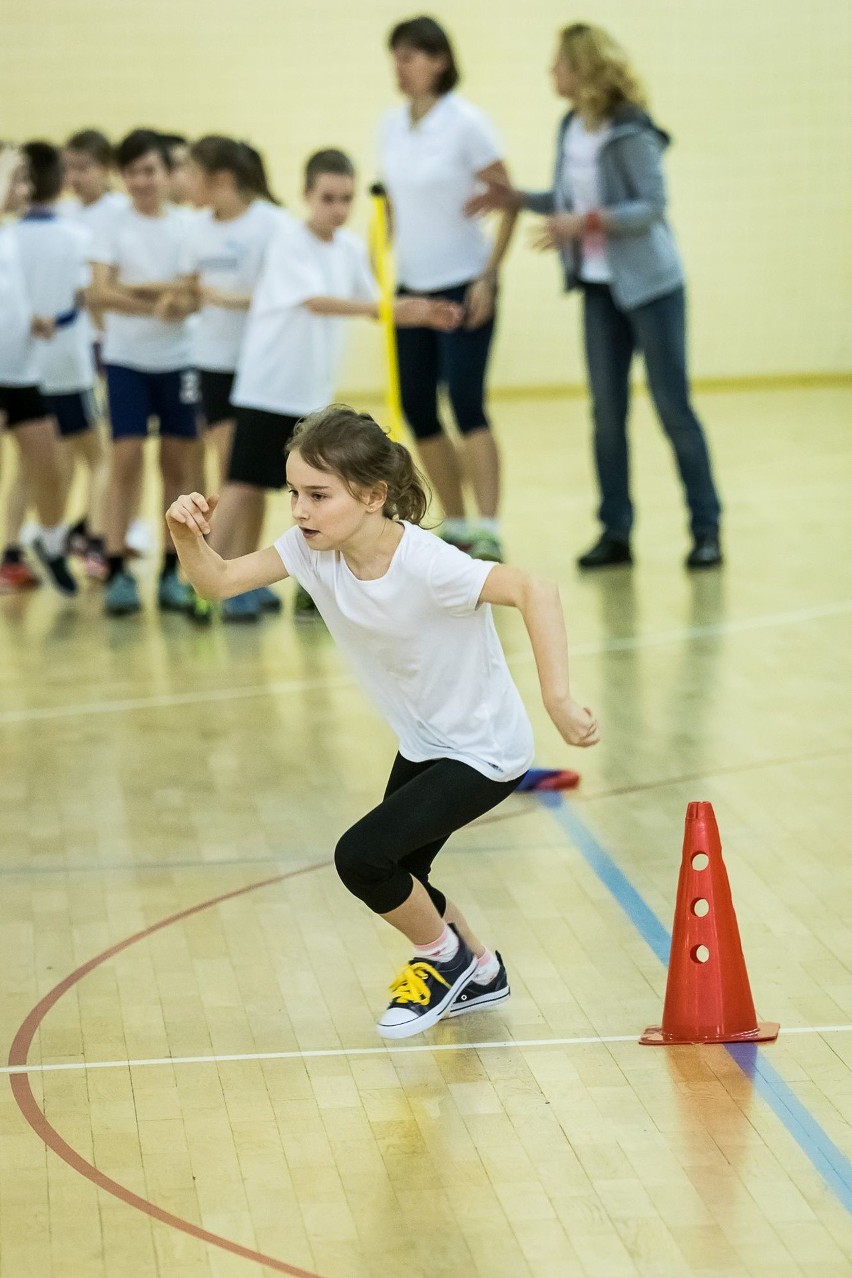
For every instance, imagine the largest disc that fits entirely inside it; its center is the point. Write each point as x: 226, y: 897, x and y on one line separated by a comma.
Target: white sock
x: 487, y: 967
x: 446, y: 947
x: 456, y: 528
x: 53, y: 540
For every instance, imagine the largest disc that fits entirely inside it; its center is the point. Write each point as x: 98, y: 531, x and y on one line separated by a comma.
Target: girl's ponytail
x: 408, y: 497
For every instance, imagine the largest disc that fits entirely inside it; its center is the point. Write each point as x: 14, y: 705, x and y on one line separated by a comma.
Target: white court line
x: 627, y: 644
x: 368, y: 1051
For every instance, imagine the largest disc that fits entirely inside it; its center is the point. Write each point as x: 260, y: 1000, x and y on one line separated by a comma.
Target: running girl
x: 412, y: 615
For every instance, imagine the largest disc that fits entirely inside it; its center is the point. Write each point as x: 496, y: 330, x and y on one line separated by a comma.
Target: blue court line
x: 831, y: 1163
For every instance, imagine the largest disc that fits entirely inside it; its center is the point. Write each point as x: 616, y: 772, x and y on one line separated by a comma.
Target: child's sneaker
x: 121, y: 596
x: 95, y: 564
x: 173, y: 595
x: 267, y: 599
x: 474, y: 997
x: 241, y: 608
x: 17, y: 576
x: 202, y: 611
x: 486, y: 546
x: 56, y: 568
x: 304, y: 608
x: 423, y: 991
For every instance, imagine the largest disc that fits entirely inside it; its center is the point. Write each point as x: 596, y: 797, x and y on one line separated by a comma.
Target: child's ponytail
x: 408, y: 497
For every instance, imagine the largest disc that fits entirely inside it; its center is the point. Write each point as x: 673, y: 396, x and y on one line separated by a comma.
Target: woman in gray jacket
x: 605, y: 214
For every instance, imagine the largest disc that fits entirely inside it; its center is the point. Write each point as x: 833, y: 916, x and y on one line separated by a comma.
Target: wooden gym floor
x: 189, y: 996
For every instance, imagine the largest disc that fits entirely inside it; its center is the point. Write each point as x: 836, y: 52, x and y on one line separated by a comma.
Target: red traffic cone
x: 708, y: 998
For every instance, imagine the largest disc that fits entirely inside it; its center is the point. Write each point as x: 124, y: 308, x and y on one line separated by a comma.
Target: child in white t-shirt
x: 142, y: 283
x: 22, y: 406
x: 411, y: 614
x: 236, y: 223
x: 316, y: 277
x: 55, y: 258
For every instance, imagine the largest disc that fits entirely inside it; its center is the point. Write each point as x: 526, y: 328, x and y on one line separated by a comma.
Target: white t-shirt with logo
x: 55, y: 258
x: 147, y: 250
x: 228, y: 256
x: 427, y: 657
x: 429, y: 169
x: 18, y: 363
x: 581, y: 150
x: 290, y: 357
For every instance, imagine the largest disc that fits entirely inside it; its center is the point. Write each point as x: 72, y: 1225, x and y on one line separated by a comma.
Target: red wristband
x: 593, y: 221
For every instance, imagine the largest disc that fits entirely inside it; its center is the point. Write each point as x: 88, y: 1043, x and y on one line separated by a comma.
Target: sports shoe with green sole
x: 486, y: 546
x: 304, y: 608
x: 201, y: 611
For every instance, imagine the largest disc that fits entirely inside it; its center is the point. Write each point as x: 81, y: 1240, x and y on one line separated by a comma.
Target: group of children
x: 197, y: 302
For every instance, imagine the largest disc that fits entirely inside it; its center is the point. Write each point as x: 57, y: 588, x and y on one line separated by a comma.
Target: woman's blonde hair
x: 602, y: 67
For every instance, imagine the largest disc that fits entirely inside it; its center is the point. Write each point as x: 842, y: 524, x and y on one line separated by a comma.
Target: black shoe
x: 423, y: 992
x: 706, y: 553
x: 56, y: 568
x: 606, y: 553
x: 475, y: 997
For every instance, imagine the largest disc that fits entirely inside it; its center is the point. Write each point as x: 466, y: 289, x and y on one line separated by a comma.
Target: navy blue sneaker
x: 474, y: 997
x: 423, y: 991
x: 267, y: 600
x: 241, y: 608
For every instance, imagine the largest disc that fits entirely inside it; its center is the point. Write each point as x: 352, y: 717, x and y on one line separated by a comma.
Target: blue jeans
x: 612, y: 336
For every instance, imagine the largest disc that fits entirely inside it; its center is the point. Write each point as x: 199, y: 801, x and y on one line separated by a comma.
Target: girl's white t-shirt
x: 228, y: 256
x: 147, y: 250
x: 55, y: 259
x: 428, y: 658
x: 290, y: 357
x: 18, y: 363
x: 581, y: 150
x: 95, y: 218
x: 429, y: 170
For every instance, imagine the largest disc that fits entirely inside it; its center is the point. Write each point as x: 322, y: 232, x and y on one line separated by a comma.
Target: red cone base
x: 765, y: 1032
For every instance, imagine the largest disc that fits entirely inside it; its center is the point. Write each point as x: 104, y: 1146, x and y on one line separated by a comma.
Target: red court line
x: 37, y: 1118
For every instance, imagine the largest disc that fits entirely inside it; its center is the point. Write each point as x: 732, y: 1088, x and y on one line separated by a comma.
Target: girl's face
x: 565, y: 79
x: 327, y: 512
x: 87, y: 179
x: 199, y: 185
x: 329, y: 202
x: 147, y: 182
x: 416, y: 71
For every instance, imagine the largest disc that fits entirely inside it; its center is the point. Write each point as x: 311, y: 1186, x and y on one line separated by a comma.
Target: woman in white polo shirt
x: 434, y: 151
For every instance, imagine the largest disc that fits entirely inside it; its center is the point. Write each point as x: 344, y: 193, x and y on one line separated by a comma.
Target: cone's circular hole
x: 700, y: 861
x: 699, y: 954
x: 701, y: 908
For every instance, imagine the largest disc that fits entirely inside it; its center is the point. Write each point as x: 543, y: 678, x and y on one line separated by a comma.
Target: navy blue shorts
x: 135, y: 397
x: 75, y: 413
x: 216, y: 391
x: 22, y: 404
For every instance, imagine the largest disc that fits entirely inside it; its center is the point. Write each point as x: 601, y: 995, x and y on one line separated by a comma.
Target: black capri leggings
x: 457, y: 360
x: 424, y: 804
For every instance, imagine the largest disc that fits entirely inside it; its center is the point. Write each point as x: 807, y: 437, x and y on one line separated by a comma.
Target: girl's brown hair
x: 606, y: 78
x: 353, y: 445
x: 217, y: 154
